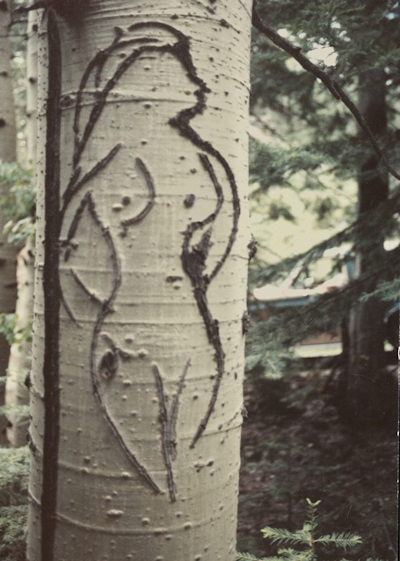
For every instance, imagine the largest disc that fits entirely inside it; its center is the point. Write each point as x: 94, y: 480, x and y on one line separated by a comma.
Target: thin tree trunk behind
x: 366, y: 327
x: 8, y: 153
x: 142, y: 252
x: 21, y: 353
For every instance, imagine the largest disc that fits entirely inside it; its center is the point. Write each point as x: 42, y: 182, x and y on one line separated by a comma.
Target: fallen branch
x: 332, y: 85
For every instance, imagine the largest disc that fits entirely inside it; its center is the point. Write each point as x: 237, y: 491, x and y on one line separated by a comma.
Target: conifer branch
x: 332, y: 85
x: 370, y: 223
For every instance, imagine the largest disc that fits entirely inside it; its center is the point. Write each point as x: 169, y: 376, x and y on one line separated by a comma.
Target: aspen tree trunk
x: 142, y: 253
x: 20, y: 356
x: 8, y: 153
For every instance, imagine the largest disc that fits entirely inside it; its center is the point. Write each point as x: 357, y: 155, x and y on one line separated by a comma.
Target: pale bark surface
x: 19, y: 365
x: 31, y: 87
x: 21, y: 353
x: 7, y: 154
x: 137, y: 381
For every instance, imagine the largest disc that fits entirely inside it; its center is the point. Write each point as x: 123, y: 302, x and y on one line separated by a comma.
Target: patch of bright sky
x: 327, y: 55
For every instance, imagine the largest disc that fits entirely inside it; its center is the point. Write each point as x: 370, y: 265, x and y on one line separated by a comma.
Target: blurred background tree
x: 316, y: 179
x: 324, y: 212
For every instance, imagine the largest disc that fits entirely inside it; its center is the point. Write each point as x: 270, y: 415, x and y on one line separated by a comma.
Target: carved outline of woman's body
x: 193, y: 257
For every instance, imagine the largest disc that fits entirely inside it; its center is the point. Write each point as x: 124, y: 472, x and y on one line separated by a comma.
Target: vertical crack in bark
x: 51, y: 289
x: 168, y: 421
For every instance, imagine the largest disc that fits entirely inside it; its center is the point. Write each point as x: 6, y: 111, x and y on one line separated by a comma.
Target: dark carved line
x: 110, y: 342
x: 125, y: 355
x: 68, y: 309
x: 106, y: 308
x: 31, y: 444
x: 100, y: 103
x: 74, y: 187
x: 97, y: 64
x: 80, y: 282
x: 97, y: 60
x: 76, y: 219
x: 220, y: 200
x: 163, y: 417
x: 212, y: 329
x: 152, y: 193
x: 194, y: 262
x: 51, y: 294
x: 172, y: 436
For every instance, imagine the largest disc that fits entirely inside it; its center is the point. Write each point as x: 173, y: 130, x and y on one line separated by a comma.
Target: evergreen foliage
x: 14, y: 465
x: 312, y: 148
x: 13, y: 531
x: 306, y: 539
x: 19, y: 202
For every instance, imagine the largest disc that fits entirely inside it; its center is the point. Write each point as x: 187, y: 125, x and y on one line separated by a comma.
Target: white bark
x: 149, y: 357
x: 31, y: 88
x: 21, y: 353
x: 7, y: 154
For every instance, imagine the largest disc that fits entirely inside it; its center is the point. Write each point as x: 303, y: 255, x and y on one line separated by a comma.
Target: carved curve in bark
x: 193, y: 257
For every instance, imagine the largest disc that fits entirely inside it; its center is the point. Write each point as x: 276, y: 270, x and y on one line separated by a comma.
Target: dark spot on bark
x: 28, y: 381
x: 2, y: 123
x: 32, y: 80
x: 189, y: 200
x: 3, y: 7
x: 252, y: 248
x: 4, y: 74
x: 31, y: 445
x: 224, y: 23
x: 67, y: 253
x: 35, y: 28
x: 245, y: 322
x: 66, y: 101
x: 108, y: 365
x: 126, y: 200
x: 172, y: 279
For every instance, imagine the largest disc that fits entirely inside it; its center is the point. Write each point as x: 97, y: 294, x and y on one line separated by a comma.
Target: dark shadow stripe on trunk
x: 51, y: 286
